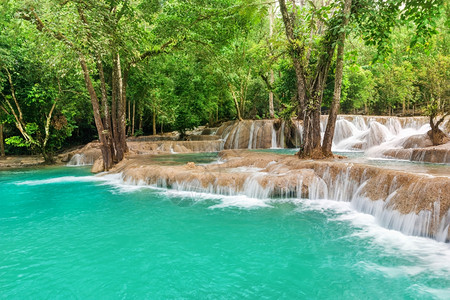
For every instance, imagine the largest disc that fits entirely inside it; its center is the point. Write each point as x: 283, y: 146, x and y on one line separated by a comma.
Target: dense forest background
x: 191, y: 63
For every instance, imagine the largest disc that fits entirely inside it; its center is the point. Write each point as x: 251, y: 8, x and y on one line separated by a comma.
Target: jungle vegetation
x: 76, y: 70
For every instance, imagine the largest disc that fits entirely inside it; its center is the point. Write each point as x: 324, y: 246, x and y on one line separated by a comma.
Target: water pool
x: 66, y: 234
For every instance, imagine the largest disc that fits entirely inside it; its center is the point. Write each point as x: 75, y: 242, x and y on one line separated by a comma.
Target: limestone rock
x: 98, y: 166
x: 417, y: 141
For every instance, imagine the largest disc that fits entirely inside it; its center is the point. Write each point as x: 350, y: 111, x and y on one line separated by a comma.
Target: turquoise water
x: 65, y: 234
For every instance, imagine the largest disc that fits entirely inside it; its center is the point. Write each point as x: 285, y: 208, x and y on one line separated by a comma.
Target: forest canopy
x: 76, y: 70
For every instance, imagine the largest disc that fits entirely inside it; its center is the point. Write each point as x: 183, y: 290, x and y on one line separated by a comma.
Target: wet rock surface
x: 431, y: 154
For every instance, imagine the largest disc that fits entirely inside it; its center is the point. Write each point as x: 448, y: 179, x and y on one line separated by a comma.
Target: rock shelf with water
x: 375, y: 136
x: 415, y: 204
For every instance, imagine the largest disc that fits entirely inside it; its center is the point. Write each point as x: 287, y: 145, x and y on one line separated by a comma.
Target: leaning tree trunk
x: 104, y: 147
x: 329, y: 132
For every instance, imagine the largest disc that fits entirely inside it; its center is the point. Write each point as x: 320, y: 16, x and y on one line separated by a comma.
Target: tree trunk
x: 114, y: 119
x: 106, y: 151
x: 329, y: 132
x: 236, y: 103
x: 133, y: 118
x: 296, y: 53
x: 124, y: 81
x: 48, y: 157
x: 154, y: 121
x: 271, y: 109
x: 129, y: 119
x: 2, y: 145
x: 311, y: 123
x: 403, y: 107
x: 121, y: 111
x: 105, y: 106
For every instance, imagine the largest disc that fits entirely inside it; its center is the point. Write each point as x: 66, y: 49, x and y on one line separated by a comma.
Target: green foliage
x: 358, y: 88
x: 396, y: 59
x: 288, y: 112
x: 17, y: 141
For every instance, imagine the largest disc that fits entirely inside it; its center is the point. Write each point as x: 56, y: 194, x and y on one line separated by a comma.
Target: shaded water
x: 67, y: 234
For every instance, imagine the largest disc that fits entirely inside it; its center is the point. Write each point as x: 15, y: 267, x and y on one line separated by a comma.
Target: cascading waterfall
x: 381, y: 193
x: 81, y: 160
x: 235, y: 144
x: 274, y: 137
x: 250, y: 140
x: 376, y: 136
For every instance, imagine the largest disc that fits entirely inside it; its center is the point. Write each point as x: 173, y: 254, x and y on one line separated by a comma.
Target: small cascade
x: 377, y: 134
x: 274, y: 137
x: 394, y: 126
x: 343, y: 130
x: 250, y: 140
x: 235, y: 144
x: 359, y: 123
x: 81, y: 160
x: 299, y: 134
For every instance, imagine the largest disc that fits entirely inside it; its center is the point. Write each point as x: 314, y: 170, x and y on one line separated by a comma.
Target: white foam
x: 64, y: 179
x: 429, y: 255
x: 81, y: 160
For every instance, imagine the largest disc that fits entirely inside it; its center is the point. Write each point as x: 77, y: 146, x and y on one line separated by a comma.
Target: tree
x: 435, y: 86
x: 311, y: 78
x: 313, y: 24
x: 31, y: 88
x: 329, y: 131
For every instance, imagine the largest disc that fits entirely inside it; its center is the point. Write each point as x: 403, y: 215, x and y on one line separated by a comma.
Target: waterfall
x: 250, y: 140
x: 81, y: 160
x: 274, y: 137
x: 235, y: 144
x: 392, y: 197
x: 300, y: 134
x: 343, y: 130
x: 394, y: 126
x: 376, y: 136
x: 359, y: 123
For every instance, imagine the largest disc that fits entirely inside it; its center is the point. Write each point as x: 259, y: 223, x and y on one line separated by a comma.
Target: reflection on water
x: 352, y: 157
x: 183, y: 158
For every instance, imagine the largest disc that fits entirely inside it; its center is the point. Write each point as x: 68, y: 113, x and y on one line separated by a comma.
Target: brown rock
x: 98, y: 166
